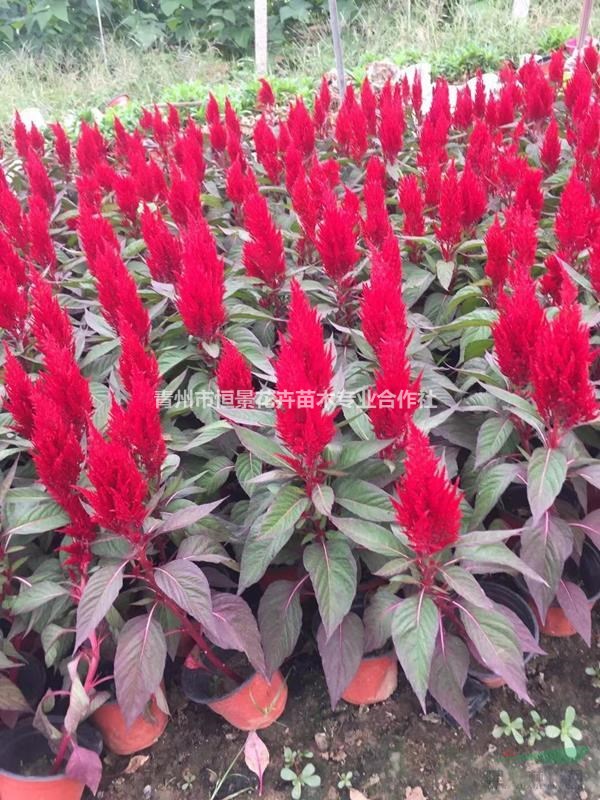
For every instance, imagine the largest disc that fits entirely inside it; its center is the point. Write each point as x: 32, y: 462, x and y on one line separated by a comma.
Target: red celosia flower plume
x: 63, y: 384
x: 11, y: 262
x: 560, y: 372
x: 51, y: 326
x: 265, y: 97
x: 234, y: 133
x: 12, y: 217
x: 19, y: 394
x: 188, y: 152
x: 578, y: 91
x: 550, y: 149
x: 118, y: 488
x: 137, y: 426
x: 556, y: 69
x: 234, y: 378
x: 240, y: 182
x: 20, y: 136
x: 183, y: 198
x: 164, y: 249
x: 575, y: 218
x: 301, y: 128
x: 41, y: 247
x: 13, y: 303
x: 391, y: 121
x: 201, y: 288
x: 497, y: 251
x: 322, y: 106
x: 304, y: 373
x: 126, y: 196
x: 336, y: 239
x: 412, y: 202
x: 383, y: 312
x: 265, y: 143
x: 376, y: 224
x: 463, y: 110
x: 556, y: 283
x: 263, y: 255
x: 473, y: 198
x: 351, y: 127
x: 395, y: 398
x: 521, y: 229
x: 449, y: 231
x: 516, y: 332
x: 136, y: 360
x: 368, y: 103
x: 91, y: 149
x: 529, y: 192
x: 39, y: 180
x: 428, y: 505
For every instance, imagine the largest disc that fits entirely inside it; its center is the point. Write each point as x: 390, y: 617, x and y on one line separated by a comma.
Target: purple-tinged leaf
x: 85, y: 766
x: 377, y: 619
x: 184, y: 583
x: 332, y: 570
x: 139, y: 664
x: 185, y: 517
x: 79, y: 702
x: 546, y: 474
x: 465, y: 586
x: 480, y: 558
x: 574, y: 602
x: 527, y: 641
x: 415, y: 624
x: 256, y: 756
x: 100, y: 592
x: 11, y: 697
x: 496, y: 644
x: 279, y: 621
x: 341, y: 654
x: 449, y: 667
x: 590, y: 473
x: 233, y: 627
x: 590, y: 525
x: 545, y: 546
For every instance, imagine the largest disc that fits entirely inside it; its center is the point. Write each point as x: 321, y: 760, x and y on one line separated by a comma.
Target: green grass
x: 479, y: 33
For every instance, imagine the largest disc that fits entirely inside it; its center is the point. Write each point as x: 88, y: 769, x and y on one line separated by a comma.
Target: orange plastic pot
x: 375, y: 680
x: 123, y: 740
x: 56, y: 787
x: 255, y: 704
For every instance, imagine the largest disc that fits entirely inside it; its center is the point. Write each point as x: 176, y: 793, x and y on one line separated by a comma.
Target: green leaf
x: 415, y: 624
x: 546, y: 475
x: 445, y: 272
x: 492, y: 436
x: 280, y: 621
x: 491, y: 485
x: 323, y: 499
x: 353, y: 453
x: 185, y: 584
x: 287, y: 508
x: 248, y: 466
x: 372, y: 537
x: 100, y: 592
x: 267, y: 450
x: 545, y: 546
x: 364, y: 499
x: 332, y: 570
x: 32, y: 511
x: 494, y: 553
x: 37, y: 595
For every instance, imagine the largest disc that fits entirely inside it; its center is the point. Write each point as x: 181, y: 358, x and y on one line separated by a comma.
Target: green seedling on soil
x: 567, y: 732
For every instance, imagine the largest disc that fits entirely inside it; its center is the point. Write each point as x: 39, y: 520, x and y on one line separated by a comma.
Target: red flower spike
x: 449, y: 231
x: 136, y: 361
x: 578, y: 91
x: 550, y: 149
x: 41, y: 248
x: 301, y: 128
x: 189, y: 154
x: 395, y: 398
x: 351, y: 127
x: 173, y: 119
x: 539, y: 94
x: 183, y: 199
x: 368, y: 103
x: 473, y: 199
x: 590, y: 58
x: 212, y: 113
x: 575, y: 217
x: 13, y: 303
x: 263, y: 255
x: 118, y: 488
x: 463, y: 110
x: 376, y: 224
x: 164, y: 249
x: 20, y: 137
x: 416, y: 91
x: 336, y: 240
x: 516, y: 331
x: 433, y: 185
x: 265, y: 97
x: 529, y: 192
x: 304, y: 373
x: 497, y: 250
x: 11, y: 262
x: 126, y: 196
x: 138, y: 426
x: 51, y: 326
x: 594, y: 269
x: 19, y: 394
x: 39, y: 181
x: 240, y: 182
x: 233, y: 375
x: 411, y: 202
x: 201, y: 288
x: 382, y: 311
x: 391, y: 121
x: 428, y: 505
x: 560, y: 372
x: 479, y: 101
x: 556, y: 68
x: 63, y: 384
x: 521, y: 229
x: 62, y: 146
x: 265, y: 143
x: 91, y: 149
x: 12, y: 218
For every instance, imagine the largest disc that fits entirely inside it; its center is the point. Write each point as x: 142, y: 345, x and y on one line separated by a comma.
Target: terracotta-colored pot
x: 375, y: 680
x: 123, y: 740
x: 25, y: 744
x: 255, y: 704
x: 556, y: 623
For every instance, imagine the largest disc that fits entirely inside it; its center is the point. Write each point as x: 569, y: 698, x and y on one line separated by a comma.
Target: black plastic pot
x: 476, y: 694
x: 589, y: 570
x: 502, y: 594
x: 22, y: 747
x: 32, y: 680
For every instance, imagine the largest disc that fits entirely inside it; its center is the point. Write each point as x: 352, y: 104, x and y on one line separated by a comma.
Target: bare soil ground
x: 393, y: 751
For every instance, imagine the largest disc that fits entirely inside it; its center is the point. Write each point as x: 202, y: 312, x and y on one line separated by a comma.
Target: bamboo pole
x: 101, y: 30
x: 334, y: 21
x: 260, y: 37
x: 584, y: 22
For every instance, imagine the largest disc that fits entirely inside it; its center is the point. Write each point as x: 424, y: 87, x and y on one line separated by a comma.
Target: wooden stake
x: 334, y: 21
x: 584, y: 22
x: 260, y: 37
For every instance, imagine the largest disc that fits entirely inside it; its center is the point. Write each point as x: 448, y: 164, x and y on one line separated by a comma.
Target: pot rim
x: 208, y: 701
x: 390, y: 653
